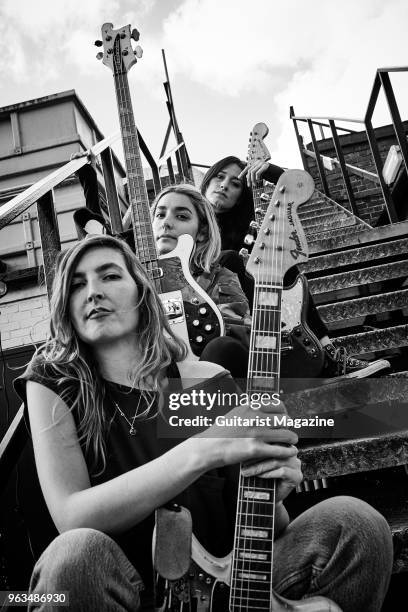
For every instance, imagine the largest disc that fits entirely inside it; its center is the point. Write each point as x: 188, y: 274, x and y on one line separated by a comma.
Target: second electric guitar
x: 299, y: 345
x: 243, y: 579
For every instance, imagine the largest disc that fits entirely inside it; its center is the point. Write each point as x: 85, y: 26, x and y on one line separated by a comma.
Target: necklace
x: 133, y: 430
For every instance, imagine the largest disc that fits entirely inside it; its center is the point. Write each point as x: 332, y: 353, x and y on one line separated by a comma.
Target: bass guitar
x: 243, y: 579
x: 299, y: 345
x: 192, y: 313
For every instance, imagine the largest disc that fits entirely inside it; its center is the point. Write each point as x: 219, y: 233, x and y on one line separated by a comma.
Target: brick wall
x: 356, y: 150
x: 23, y: 317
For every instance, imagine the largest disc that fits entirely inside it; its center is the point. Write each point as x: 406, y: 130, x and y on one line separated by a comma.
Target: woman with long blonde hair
x: 95, y: 395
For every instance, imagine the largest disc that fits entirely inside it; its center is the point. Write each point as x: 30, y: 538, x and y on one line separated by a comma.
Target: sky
x: 232, y: 64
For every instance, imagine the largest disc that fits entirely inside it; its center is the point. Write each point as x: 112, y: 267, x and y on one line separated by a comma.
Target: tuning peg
x: 244, y: 254
x: 138, y: 52
x: 99, y: 55
x: 98, y: 43
x: 135, y: 35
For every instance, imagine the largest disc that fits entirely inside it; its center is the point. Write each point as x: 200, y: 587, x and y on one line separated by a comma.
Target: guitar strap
x: 172, y: 556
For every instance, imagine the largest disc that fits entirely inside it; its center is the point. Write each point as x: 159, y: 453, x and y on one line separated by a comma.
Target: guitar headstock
x: 118, y: 53
x: 281, y: 241
x: 256, y: 148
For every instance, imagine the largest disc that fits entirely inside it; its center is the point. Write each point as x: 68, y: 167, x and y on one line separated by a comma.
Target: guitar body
x: 195, y: 316
x: 300, y: 349
x: 206, y: 588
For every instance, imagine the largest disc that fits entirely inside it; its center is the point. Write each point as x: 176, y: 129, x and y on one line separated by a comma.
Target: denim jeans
x: 340, y: 548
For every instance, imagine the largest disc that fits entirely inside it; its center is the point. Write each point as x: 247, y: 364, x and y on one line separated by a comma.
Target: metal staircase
x: 324, y: 219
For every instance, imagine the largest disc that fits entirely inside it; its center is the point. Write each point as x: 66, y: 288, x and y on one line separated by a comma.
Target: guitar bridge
x: 286, y: 342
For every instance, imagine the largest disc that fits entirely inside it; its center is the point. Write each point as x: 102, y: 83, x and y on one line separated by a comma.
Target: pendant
x: 132, y: 431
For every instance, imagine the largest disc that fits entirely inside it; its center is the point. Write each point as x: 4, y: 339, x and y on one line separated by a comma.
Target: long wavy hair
x: 233, y: 223
x: 70, y: 359
x: 207, y: 249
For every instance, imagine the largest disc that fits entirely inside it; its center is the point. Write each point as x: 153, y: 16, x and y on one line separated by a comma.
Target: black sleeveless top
x: 211, y: 499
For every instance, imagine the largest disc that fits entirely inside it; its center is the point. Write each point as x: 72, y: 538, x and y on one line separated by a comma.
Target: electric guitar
x: 243, y: 579
x: 194, y: 315
x: 299, y: 345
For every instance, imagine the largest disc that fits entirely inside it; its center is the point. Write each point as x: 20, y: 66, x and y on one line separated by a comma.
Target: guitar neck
x: 251, y: 579
x: 253, y: 547
x: 145, y: 246
x: 264, y: 357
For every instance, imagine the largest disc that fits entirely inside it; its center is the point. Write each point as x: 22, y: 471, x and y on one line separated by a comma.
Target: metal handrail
x: 381, y: 80
x: 345, y: 119
x: 17, y: 205
x: 370, y: 176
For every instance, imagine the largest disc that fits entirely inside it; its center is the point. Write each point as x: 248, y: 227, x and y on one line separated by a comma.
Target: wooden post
x: 49, y: 236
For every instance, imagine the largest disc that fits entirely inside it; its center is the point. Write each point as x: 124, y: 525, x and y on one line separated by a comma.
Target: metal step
x: 351, y: 456
x: 335, y: 238
x: 354, y: 278
x: 356, y: 256
x: 322, y: 217
x: 362, y: 307
x: 373, y: 341
x: 344, y: 394
x: 313, y: 230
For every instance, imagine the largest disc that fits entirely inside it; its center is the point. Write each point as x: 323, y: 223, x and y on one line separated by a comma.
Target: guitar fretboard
x: 251, y: 582
x: 252, y: 564
x: 264, y: 361
x: 145, y: 246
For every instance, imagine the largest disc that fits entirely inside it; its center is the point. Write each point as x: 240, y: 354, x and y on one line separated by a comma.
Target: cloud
x: 12, y: 57
x: 320, y: 56
x: 338, y: 83
x: 46, y: 38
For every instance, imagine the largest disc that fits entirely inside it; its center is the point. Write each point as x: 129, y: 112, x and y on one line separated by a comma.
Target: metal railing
x: 381, y: 80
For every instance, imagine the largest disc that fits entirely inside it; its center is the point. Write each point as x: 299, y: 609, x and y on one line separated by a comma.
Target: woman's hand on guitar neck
x: 232, y: 440
x: 286, y: 470
x: 254, y: 172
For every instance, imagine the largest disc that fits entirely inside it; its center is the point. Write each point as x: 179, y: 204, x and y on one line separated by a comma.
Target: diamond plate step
x: 314, y: 230
x: 356, y: 256
x: 353, y: 456
x: 322, y: 217
x: 376, y: 340
x: 354, y: 278
x: 362, y: 307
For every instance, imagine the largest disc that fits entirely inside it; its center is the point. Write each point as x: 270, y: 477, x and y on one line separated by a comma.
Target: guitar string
x: 250, y: 505
x: 260, y: 324
x: 132, y: 157
x: 249, y: 509
x: 129, y: 136
x: 262, y: 352
x: 273, y: 263
x: 248, y: 482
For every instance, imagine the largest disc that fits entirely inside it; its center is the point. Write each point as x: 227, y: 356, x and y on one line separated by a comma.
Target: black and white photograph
x: 203, y: 305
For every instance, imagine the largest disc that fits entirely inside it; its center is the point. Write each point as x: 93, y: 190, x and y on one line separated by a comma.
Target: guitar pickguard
x: 194, y: 314
x: 301, y: 351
